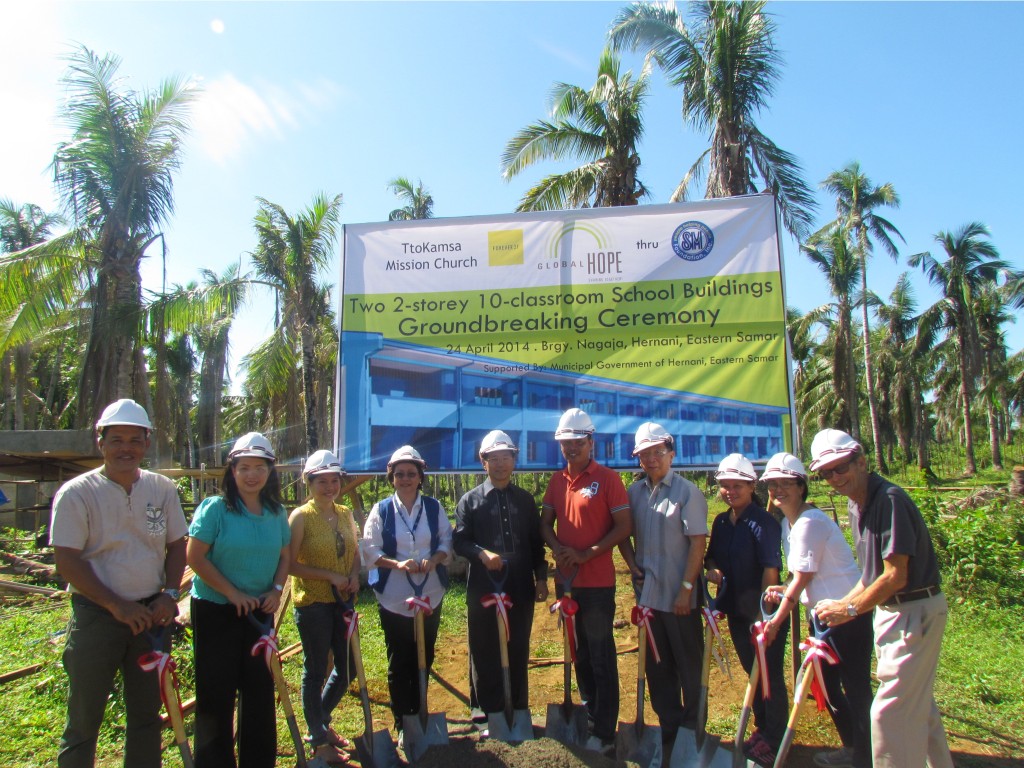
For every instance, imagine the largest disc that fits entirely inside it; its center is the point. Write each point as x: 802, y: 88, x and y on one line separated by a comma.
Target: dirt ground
x: 449, y: 686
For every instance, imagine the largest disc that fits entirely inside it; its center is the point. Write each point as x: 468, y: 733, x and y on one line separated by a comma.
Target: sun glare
x: 217, y: 26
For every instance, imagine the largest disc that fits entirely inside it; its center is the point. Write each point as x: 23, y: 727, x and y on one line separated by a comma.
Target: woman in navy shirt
x: 745, y: 549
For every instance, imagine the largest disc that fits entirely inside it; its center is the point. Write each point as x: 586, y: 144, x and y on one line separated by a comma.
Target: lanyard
x: 400, y: 510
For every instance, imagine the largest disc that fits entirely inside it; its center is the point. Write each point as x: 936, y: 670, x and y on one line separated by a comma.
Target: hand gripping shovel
x: 738, y: 759
x: 375, y: 748
x: 422, y: 730
x: 517, y: 725
x: 693, y: 749
x: 818, y: 650
x: 637, y: 742
x: 267, y: 645
x: 161, y: 662
x: 567, y: 722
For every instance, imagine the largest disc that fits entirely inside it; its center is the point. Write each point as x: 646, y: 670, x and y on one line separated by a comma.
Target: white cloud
x: 231, y: 116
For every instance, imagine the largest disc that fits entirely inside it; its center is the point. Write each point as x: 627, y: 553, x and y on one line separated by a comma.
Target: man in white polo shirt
x: 118, y: 534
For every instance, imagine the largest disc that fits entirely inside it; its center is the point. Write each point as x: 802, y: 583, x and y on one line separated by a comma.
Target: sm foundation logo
x: 582, y: 245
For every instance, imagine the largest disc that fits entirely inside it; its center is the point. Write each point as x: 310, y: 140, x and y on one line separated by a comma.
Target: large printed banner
x: 670, y: 313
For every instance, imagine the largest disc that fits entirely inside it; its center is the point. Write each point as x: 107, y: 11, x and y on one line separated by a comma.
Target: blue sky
x: 341, y: 97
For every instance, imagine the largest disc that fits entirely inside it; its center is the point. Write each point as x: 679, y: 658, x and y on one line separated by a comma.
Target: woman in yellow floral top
x: 323, y: 560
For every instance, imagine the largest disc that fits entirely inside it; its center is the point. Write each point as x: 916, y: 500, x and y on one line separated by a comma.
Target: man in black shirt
x: 498, y: 522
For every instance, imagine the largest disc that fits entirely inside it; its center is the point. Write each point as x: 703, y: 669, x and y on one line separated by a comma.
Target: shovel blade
x: 711, y: 756
x: 377, y: 750
x: 419, y: 738
x: 571, y: 730
x: 640, y: 744
x: 520, y: 730
x: 684, y: 752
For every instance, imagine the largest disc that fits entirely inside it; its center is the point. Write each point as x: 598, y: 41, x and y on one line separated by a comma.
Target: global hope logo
x: 693, y: 240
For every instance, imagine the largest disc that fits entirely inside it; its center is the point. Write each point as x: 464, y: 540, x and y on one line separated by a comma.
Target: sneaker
x: 761, y: 753
x: 596, y: 744
x: 839, y: 758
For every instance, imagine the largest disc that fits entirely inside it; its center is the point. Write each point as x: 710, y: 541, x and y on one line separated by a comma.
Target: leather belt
x: 911, y: 596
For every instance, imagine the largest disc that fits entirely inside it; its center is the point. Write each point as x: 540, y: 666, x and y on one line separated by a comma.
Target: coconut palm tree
x: 290, y: 253
x: 21, y: 227
x: 726, y: 62
x: 972, y: 262
x: 856, y: 201
x: 115, y: 179
x: 601, y: 127
x: 418, y: 202
x: 834, y: 258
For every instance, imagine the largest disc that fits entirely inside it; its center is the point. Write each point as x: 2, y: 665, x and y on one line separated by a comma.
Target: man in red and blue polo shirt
x: 585, y: 515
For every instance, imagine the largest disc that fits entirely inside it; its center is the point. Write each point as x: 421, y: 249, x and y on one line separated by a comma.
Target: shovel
x: 817, y: 650
x: 267, y: 645
x: 510, y: 725
x: 163, y: 664
x: 422, y: 730
x: 738, y: 758
x: 375, y: 748
x: 567, y: 722
x: 637, y: 742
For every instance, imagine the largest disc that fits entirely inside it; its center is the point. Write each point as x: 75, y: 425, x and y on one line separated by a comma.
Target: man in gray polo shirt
x: 118, y: 535
x: 900, y: 583
x: 670, y: 525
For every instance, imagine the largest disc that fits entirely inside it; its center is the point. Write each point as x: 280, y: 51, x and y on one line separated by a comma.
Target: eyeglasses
x: 838, y: 469
x: 405, y: 475
x: 660, y: 453
x: 499, y: 457
x: 782, y: 483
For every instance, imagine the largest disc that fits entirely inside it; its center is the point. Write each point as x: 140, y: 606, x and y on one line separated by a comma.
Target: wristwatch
x: 174, y: 594
x: 687, y: 584
x: 851, y: 610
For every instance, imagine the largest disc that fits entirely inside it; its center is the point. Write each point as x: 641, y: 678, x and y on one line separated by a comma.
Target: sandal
x: 337, y: 740
x: 330, y: 755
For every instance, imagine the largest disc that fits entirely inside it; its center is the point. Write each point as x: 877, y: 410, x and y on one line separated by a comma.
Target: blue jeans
x: 597, y: 667
x: 98, y: 646
x: 322, y: 628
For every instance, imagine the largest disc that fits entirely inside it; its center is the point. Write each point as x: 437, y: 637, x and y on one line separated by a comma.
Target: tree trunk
x: 109, y: 364
x: 993, y: 437
x: 309, y: 388
x: 869, y: 373
x: 966, y: 395
x: 22, y: 362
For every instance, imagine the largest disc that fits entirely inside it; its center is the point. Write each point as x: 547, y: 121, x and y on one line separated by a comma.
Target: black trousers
x: 849, y: 686
x: 770, y: 716
x: 222, y: 644
x: 675, y: 682
x: 485, y: 679
x: 403, y: 667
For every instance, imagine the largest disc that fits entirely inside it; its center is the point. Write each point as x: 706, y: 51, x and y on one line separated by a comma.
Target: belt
x: 911, y: 596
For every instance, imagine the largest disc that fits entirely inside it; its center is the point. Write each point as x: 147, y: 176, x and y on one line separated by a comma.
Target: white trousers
x: 906, y: 728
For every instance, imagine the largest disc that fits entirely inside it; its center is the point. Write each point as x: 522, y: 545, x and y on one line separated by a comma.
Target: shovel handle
x: 421, y: 641
x: 748, y: 703
x: 641, y: 669
x: 177, y: 724
x: 502, y: 642
x: 804, y: 680
x: 289, y: 713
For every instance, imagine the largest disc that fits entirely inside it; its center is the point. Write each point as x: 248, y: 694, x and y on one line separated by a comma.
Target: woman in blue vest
x: 407, y: 537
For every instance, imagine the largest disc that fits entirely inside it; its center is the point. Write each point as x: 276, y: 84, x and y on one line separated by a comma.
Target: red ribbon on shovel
x: 351, y: 624
x: 817, y: 651
x: 712, y: 617
x: 267, y: 645
x: 164, y: 666
x: 417, y: 604
x: 641, y: 617
x: 501, y: 602
x: 567, y: 609
x: 758, y: 638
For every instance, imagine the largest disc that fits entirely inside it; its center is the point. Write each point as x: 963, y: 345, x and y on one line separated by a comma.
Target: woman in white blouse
x: 407, y: 538
x: 822, y: 566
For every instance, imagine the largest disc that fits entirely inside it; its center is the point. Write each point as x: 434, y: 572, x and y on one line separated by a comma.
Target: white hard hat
x: 736, y: 466
x: 782, y: 466
x: 831, y: 444
x: 322, y: 462
x: 252, y: 445
x: 573, y: 425
x: 496, y: 440
x: 650, y: 434
x: 124, y: 412
x: 407, y: 453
